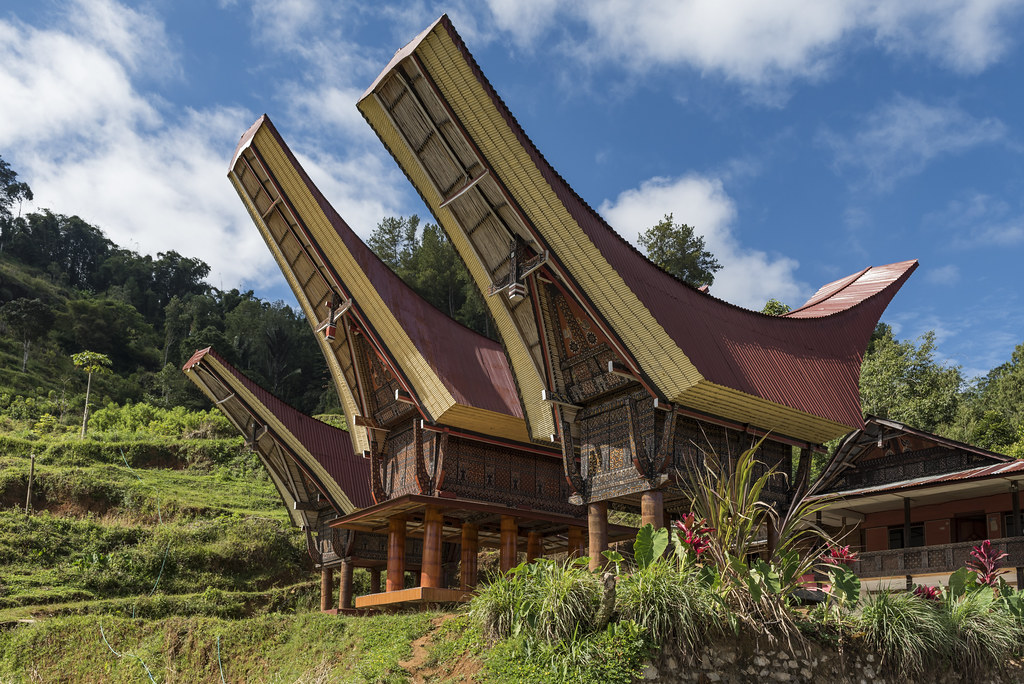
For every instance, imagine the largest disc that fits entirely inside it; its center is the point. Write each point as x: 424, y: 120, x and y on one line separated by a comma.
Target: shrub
x: 906, y: 630
x: 671, y: 606
x: 980, y: 631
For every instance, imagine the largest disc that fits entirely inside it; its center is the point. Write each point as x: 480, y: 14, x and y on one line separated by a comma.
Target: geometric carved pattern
x: 898, y: 467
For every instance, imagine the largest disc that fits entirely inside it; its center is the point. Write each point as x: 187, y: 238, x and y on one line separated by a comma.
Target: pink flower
x: 840, y: 555
x: 929, y: 593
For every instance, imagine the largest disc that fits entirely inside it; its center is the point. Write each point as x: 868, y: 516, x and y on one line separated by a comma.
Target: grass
x: 907, y: 631
x: 669, y: 605
x: 265, y: 648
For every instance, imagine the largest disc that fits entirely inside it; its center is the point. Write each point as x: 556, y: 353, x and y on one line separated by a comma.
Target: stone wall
x: 733, y: 662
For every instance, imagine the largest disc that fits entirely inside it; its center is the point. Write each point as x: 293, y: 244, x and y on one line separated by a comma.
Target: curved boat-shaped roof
x: 304, y: 456
x: 459, y: 144
x: 455, y: 375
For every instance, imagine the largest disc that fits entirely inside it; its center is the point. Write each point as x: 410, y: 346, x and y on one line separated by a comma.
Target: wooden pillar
x: 652, y: 508
x: 396, y: 554
x: 374, y: 580
x: 1017, y: 531
x: 345, y: 593
x: 597, y: 524
x: 470, y: 548
x: 326, y: 588
x: 773, y: 537
x: 430, y: 570
x: 509, y: 542
x: 906, y: 537
x: 575, y: 542
x: 534, y: 548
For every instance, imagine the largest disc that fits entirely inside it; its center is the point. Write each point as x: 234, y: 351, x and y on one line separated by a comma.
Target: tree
x: 902, y: 381
x: 28, y: 320
x: 675, y: 248
x: 90, y: 362
x: 773, y: 307
x: 11, y: 190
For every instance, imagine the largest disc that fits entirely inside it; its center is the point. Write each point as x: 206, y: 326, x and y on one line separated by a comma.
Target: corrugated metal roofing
x: 330, y: 446
x: 979, y: 473
x: 472, y: 367
x: 809, y: 362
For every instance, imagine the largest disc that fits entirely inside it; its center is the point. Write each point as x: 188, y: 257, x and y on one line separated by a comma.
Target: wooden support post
x: 374, y: 580
x: 430, y: 570
x: 345, y: 594
x: 597, y: 524
x: 773, y: 537
x: 326, y: 588
x: 652, y: 508
x: 1017, y: 531
x: 470, y: 549
x: 509, y: 542
x: 575, y: 542
x: 534, y: 548
x: 906, y: 523
x: 396, y: 554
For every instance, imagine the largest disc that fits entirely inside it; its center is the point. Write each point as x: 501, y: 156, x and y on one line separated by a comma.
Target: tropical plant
x: 980, y: 632
x: 907, y: 631
x: 90, y: 362
x: 987, y: 562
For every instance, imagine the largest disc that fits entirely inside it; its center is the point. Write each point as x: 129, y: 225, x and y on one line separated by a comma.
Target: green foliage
x: 91, y: 362
x: 650, y: 544
x: 427, y: 262
x: 845, y: 594
x: 902, y: 381
x: 615, y: 656
x: 773, y: 307
x: 907, y: 631
x: 670, y: 606
x: 549, y: 600
x: 979, y: 632
x: 677, y: 249
x: 387, y: 639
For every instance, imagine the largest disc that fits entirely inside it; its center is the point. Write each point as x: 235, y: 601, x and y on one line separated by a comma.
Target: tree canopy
x: 677, y: 249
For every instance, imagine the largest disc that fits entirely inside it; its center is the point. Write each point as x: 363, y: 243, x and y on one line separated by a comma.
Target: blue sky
x: 805, y: 139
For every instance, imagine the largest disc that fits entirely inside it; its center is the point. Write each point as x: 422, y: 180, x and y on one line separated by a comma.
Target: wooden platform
x: 414, y: 595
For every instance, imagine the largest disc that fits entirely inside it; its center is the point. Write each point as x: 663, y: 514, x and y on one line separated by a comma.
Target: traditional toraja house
x: 625, y: 367
x: 611, y: 375
x: 916, y: 504
x: 432, y: 405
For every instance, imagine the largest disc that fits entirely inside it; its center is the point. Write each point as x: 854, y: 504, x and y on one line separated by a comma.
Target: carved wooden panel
x: 897, y: 467
x: 379, y: 386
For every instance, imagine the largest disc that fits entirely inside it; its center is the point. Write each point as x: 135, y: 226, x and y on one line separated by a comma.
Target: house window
x: 1011, y: 530
x: 916, y: 536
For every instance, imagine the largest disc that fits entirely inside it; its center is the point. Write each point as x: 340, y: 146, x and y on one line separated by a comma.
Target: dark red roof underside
x: 330, y: 446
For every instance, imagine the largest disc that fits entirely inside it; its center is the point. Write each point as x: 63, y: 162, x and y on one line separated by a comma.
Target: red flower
x: 986, y: 563
x: 929, y: 593
x: 840, y: 555
x: 696, y: 533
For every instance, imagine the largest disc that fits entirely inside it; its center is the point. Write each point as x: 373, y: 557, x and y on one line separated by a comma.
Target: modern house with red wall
x: 915, y: 504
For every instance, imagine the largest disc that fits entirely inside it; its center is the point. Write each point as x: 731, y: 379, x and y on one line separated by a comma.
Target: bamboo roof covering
x: 489, y: 186
x: 453, y: 375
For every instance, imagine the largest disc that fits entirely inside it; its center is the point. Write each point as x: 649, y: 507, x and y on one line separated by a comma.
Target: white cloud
x: 79, y: 129
x: 761, y: 44
x: 943, y: 275
x: 748, y: 277
x: 900, y: 138
x: 978, y: 220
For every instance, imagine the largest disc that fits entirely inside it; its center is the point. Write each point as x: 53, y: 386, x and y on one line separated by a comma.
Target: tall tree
x: 677, y: 249
x: 11, y: 190
x: 28, y: 320
x: 903, y: 381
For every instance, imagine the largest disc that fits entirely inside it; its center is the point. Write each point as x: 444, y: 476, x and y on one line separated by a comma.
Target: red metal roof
x: 330, y: 446
x: 472, y: 367
x: 810, y: 362
x: 979, y: 473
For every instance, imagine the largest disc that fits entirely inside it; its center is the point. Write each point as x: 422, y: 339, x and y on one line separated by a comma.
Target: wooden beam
x: 509, y: 542
x: 597, y: 524
x: 396, y: 554
x: 430, y: 571
x: 470, y: 549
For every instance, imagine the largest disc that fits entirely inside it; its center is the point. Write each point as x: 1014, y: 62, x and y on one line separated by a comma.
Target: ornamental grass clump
x: 551, y: 600
x: 670, y: 605
x: 980, y: 632
x: 906, y: 630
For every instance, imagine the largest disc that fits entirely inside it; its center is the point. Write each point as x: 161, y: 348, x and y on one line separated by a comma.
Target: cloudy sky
x: 805, y: 139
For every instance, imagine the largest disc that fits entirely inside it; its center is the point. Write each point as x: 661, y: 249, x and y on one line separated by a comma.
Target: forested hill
x: 65, y: 287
